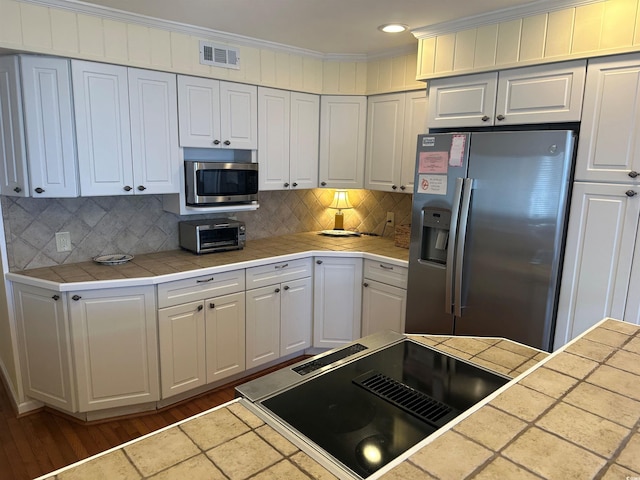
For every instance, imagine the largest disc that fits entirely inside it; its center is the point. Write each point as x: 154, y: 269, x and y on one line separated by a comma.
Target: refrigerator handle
x: 451, y: 250
x: 460, y: 242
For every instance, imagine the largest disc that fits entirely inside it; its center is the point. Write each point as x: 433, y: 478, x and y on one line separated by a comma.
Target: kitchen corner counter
x: 573, y: 414
x: 170, y: 265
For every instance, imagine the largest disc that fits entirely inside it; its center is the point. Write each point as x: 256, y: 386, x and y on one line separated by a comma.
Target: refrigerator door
x: 514, y: 235
x: 441, y: 164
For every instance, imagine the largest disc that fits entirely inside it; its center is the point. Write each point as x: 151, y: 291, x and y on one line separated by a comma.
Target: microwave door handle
x: 460, y: 244
x: 453, y: 230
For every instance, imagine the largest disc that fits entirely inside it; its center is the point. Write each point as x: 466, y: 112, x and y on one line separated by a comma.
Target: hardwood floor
x: 40, y: 442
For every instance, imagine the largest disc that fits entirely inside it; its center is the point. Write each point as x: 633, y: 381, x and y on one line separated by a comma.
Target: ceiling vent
x: 219, y: 56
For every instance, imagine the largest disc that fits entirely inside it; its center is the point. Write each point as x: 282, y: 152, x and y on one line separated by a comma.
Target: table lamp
x: 340, y: 202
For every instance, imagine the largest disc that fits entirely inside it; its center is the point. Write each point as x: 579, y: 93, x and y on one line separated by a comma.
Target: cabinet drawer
x: 200, y: 288
x: 386, y: 273
x: 278, y: 272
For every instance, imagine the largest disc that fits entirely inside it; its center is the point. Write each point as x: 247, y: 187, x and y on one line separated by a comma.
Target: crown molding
x: 504, y: 15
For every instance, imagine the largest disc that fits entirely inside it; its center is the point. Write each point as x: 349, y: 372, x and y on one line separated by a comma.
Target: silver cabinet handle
x: 127, y: 188
x: 633, y: 174
x: 205, y: 281
x: 142, y: 188
x: 386, y: 267
x: 282, y: 266
x: 631, y: 193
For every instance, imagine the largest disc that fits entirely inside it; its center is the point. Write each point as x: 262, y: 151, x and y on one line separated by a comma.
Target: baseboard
x: 20, y: 408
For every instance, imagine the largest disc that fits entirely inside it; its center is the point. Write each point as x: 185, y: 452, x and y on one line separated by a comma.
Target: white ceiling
x: 323, y: 26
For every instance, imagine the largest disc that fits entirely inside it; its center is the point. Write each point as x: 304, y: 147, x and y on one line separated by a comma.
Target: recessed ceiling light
x: 393, y: 27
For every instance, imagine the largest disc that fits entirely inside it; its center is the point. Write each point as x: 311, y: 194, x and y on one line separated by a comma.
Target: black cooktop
x: 367, y: 412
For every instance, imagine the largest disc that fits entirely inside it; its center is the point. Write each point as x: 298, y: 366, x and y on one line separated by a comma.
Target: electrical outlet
x: 390, y: 219
x: 63, y: 241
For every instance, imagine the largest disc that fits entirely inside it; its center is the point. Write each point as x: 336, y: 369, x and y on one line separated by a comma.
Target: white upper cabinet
x: 288, y: 137
x: 342, y: 141
x: 215, y: 114
x: 393, y: 124
x: 103, y: 129
x: 538, y: 94
x: 126, y: 129
x: 154, y: 131
x: 37, y: 144
x: 609, y: 150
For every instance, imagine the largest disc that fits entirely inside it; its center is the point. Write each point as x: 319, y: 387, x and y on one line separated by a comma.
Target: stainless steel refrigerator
x: 487, y: 235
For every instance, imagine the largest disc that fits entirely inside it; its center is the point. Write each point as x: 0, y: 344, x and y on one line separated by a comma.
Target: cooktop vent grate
x: 318, y: 363
x: 408, y: 399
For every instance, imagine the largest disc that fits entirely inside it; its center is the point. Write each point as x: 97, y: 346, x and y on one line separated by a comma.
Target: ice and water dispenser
x: 435, y: 234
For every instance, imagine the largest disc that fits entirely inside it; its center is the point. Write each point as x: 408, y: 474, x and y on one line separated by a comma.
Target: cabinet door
x: 115, y: 346
x: 154, y: 131
x: 296, y: 316
x: 385, y: 125
x: 601, y: 234
x: 238, y: 116
x: 181, y: 332
x: 103, y: 129
x: 609, y: 150
x: 45, y: 353
x: 462, y: 102
x: 263, y: 325
x: 540, y: 94
x: 342, y: 141
x: 304, y: 139
x: 337, y: 299
x: 225, y: 336
x: 198, y: 112
x: 415, y: 123
x: 51, y: 142
x: 13, y: 153
x: 273, y: 138
x: 383, y: 307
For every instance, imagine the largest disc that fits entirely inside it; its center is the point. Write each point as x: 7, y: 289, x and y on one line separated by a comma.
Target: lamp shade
x: 340, y: 200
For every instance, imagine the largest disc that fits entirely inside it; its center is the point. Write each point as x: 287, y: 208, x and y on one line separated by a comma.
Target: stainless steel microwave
x: 218, y: 183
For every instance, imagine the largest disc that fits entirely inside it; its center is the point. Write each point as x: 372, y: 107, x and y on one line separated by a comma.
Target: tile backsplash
x: 138, y: 224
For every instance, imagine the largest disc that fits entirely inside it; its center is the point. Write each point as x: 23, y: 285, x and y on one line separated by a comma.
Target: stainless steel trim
x: 462, y: 236
x: 453, y: 232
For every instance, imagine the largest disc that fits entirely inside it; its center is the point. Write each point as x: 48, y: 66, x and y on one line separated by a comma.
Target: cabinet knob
x: 127, y: 188
x: 394, y: 187
x: 324, y: 184
x: 485, y: 119
x: 365, y: 284
x: 402, y: 187
x: 142, y: 188
x: 286, y: 287
x: 200, y: 307
x: 294, y: 184
x: 286, y: 184
x: 631, y: 193
x: 633, y: 174
x: 56, y: 297
x: 17, y: 189
x: 500, y: 117
x: 319, y: 262
x: 76, y: 297
x: 212, y: 305
x: 39, y: 190
x: 277, y: 290
x: 227, y: 143
x: 216, y: 142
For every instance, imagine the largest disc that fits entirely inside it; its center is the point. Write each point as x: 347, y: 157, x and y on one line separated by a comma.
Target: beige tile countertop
x: 176, y: 264
x: 574, y: 414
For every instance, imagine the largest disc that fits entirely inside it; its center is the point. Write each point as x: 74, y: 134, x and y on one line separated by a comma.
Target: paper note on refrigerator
x: 433, y: 184
x: 433, y: 162
x: 457, y: 150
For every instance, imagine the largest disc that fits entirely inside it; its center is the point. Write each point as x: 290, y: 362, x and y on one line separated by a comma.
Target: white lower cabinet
x: 44, y: 339
x: 337, y: 301
x: 601, y: 240
x: 384, y: 297
x: 115, y: 346
x: 225, y: 336
x: 279, y: 315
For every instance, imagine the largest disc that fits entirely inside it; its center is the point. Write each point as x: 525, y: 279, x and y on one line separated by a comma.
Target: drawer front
x: 200, y: 288
x: 278, y: 272
x: 386, y: 273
